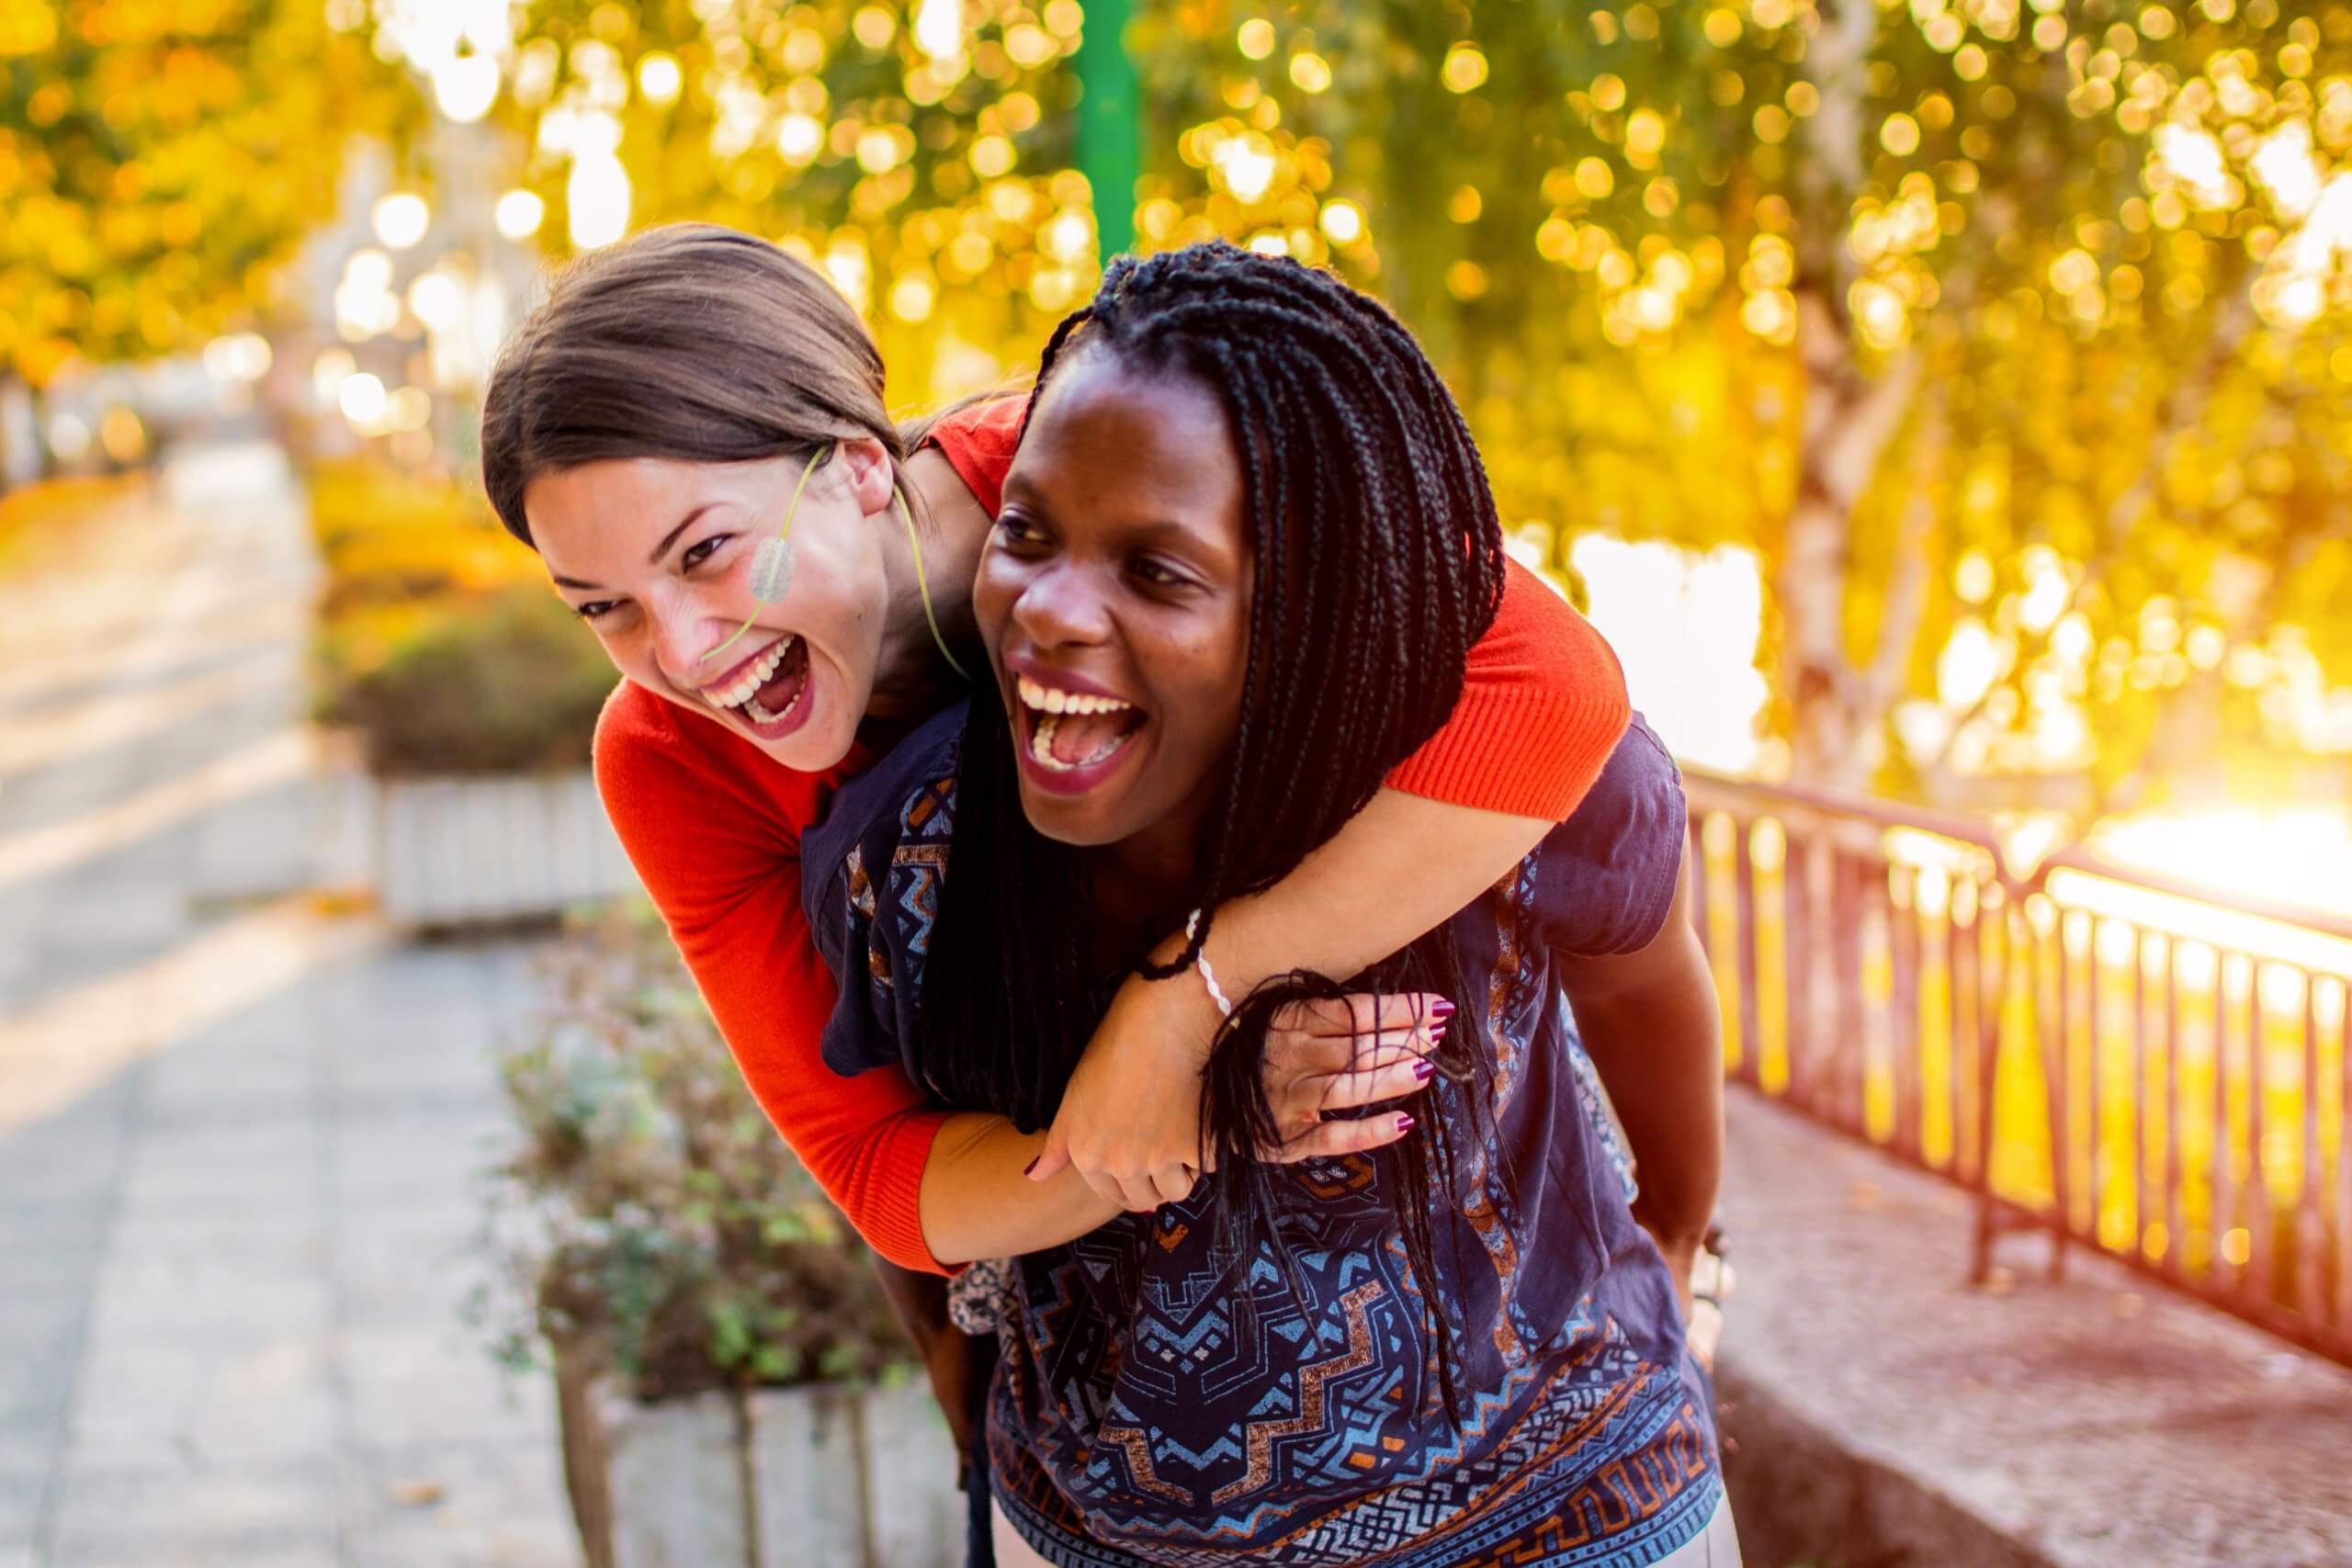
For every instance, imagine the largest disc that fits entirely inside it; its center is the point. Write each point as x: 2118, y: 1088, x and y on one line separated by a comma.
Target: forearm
x: 978, y: 1201
x: 1404, y: 866
x: 1658, y: 1047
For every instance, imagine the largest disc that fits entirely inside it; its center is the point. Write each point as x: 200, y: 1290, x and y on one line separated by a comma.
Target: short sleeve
x: 1605, y: 877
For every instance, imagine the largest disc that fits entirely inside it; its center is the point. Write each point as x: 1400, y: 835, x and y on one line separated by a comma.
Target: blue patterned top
x: 1160, y: 1403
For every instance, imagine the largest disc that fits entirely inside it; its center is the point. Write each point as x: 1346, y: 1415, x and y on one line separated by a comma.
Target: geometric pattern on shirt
x: 1158, y: 1404
x: 1532, y: 1495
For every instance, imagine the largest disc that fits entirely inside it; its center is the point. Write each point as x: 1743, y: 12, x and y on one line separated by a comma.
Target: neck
x: 911, y: 677
x: 1145, y: 884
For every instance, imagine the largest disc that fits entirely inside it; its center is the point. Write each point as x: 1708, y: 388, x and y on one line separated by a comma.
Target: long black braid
x: 1378, y: 563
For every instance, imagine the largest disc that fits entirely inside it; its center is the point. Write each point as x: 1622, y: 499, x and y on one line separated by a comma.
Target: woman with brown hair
x: 692, y: 409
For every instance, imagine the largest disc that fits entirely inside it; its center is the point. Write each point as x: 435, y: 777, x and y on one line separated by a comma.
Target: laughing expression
x: 656, y: 556
x: 1114, y: 600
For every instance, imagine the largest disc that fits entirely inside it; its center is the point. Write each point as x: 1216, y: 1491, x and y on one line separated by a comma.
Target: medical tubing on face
x: 772, y: 569
x: 924, y: 588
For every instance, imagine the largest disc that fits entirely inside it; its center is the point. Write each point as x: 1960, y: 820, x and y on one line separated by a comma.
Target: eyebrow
x: 1153, y: 531
x: 667, y: 539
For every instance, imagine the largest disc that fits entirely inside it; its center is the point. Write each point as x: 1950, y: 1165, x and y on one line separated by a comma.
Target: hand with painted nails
x: 1336, y: 1055
x: 1130, y: 1119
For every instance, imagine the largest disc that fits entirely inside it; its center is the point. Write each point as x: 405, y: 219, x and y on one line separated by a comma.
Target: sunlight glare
x: 1685, y: 626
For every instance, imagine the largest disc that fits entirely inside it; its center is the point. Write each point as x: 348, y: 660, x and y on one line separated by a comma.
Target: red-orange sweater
x: 713, y: 827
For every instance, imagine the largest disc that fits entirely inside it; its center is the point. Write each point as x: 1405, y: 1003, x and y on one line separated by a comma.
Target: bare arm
x: 978, y: 1201
x: 1651, y: 1024
x: 1404, y: 866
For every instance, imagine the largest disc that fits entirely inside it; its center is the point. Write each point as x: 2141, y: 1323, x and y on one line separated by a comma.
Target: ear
x: 871, y: 475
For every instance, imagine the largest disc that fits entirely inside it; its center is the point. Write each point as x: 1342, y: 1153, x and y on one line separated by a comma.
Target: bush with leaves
x: 503, y: 683
x: 670, y: 1233
x: 438, y: 639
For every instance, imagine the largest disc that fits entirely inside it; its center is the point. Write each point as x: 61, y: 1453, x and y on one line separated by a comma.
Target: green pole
x: 1108, y: 127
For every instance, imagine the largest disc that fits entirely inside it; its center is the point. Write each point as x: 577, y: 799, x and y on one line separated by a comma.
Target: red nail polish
x: 1032, y: 1165
x: 1404, y: 1125
x: 1422, y: 1070
x: 1443, y: 1008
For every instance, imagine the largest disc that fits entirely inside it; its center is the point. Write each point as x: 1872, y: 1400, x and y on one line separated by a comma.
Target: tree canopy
x: 2014, y: 339
x: 158, y: 159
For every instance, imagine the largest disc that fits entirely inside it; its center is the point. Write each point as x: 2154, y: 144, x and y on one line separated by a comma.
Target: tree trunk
x: 1849, y: 423
x: 1849, y: 418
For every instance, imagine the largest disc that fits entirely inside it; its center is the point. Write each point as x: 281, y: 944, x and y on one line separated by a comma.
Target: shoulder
x: 1536, y: 623
x: 1543, y: 701
x: 979, y: 440
x: 909, y: 794
x: 870, y: 879
x: 1606, y: 875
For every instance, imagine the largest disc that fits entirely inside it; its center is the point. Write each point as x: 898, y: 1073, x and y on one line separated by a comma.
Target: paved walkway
x: 240, y: 1136
x: 1884, y: 1412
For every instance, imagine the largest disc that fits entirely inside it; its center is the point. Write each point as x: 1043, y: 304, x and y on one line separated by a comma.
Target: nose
x: 1063, y: 605
x: 683, y: 635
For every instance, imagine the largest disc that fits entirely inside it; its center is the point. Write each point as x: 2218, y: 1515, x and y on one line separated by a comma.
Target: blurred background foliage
x: 1984, y: 363
x: 159, y: 159
x: 437, y: 641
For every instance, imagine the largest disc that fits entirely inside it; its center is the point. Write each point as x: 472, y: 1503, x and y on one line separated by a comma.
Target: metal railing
x: 2124, y: 1061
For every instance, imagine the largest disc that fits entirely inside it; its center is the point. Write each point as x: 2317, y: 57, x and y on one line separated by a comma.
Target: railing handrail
x: 1977, y: 834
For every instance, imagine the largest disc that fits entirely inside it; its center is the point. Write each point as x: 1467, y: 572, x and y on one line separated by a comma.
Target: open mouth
x: 1071, y: 738
x: 766, y: 690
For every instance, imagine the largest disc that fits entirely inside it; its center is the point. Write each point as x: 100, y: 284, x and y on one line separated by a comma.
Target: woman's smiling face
x: 1113, y: 596
x: 656, y: 555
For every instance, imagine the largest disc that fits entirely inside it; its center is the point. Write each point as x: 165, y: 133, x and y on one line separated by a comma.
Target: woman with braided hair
x: 1245, y: 552
x: 693, y: 403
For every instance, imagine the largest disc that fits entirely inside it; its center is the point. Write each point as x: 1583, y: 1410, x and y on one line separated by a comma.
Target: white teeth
x: 1053, y: 699
x: 758, y: 675
x: 1041, y: 746
x: 759, y: 714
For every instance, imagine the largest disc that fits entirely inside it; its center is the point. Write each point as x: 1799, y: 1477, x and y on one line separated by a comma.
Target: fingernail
x: 1422, y: 1070
x: 1404, y: 1125
x: 1442, y: 1009
x: 1032, y: 1165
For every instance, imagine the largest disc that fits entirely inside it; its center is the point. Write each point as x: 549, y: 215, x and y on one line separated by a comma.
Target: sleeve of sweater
x: 1543, y: 705
x: 1542, y: 700
x: 716, y: 838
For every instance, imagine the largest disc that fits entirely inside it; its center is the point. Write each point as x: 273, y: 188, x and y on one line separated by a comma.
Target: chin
x: 1083, y: 824
x: 814, y: 751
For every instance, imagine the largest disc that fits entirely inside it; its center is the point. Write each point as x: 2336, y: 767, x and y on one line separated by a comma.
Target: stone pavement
x: 240, y: 1137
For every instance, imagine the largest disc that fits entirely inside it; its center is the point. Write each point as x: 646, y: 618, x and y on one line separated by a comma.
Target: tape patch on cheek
x: 772, y: 571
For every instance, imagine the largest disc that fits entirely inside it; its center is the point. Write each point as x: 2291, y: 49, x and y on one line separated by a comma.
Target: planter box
x: 449, y: 851
x: 825, y: 1476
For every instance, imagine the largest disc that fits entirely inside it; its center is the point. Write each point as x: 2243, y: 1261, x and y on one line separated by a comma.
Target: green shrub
x: 438, y: 639
x: 668, y: 1231
x: 482, y: 683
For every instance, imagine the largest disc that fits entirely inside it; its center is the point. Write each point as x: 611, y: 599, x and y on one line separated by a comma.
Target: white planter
x: 457, y: 850
x: 824, y: 1476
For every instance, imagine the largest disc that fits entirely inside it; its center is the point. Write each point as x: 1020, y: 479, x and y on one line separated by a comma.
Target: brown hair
x: 690, y: 342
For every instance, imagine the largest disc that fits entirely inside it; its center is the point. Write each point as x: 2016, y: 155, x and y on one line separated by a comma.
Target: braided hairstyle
x: 1377, y: 562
